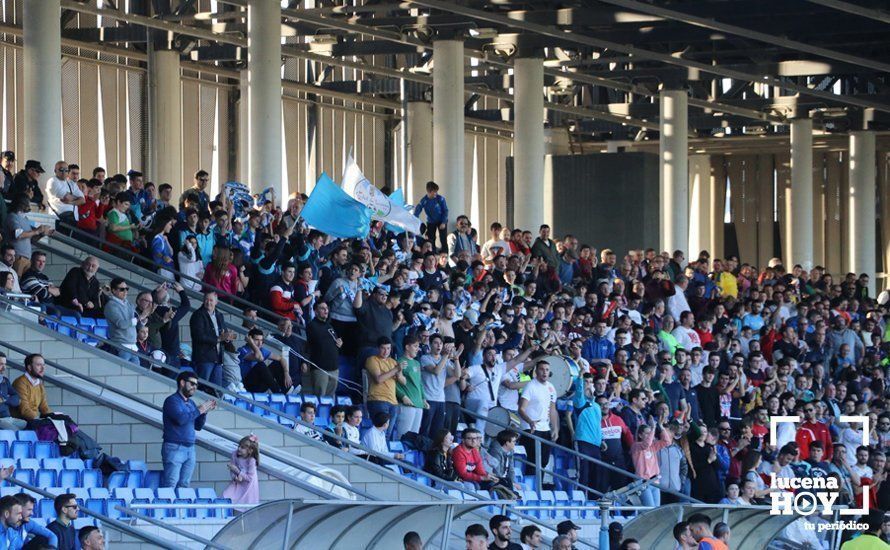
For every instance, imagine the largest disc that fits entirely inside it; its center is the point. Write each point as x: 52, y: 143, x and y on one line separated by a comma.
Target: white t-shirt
x: 539, y: 397
x: 485, y: 383
x: 491, y: 243
x: 509, y: 398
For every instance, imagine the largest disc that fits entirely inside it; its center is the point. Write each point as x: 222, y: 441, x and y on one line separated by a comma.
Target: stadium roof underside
x: 342, y: 525
x: 751, y: 527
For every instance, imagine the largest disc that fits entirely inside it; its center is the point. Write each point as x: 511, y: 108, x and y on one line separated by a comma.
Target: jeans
x: 409, y: 420
x: 431, y: 229
x: 128, y: 355
x: 651, y: 496
x: 375, y: 407
x: 209, y: 372
x: 452, y: 416
x: 179, y: 463
x: 433, y: 418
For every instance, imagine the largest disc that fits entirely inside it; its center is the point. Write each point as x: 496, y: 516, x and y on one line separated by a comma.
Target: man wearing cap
x: 568, y: 529
x: 7, y: 165
x: 63, y: 195
x: 26, y: 182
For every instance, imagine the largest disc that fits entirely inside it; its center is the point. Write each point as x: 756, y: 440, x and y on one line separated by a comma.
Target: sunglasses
x: 120, y: 288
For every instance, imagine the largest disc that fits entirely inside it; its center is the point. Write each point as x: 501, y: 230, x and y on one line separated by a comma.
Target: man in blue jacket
x: 9, y: 397
x: 28, y: 528
x: 436, y: 209
x: 182, y: 417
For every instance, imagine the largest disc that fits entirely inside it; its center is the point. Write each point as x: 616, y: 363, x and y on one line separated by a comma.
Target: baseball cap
x: 34, y: 164
x: 472, y: 316
x: 8, y: 155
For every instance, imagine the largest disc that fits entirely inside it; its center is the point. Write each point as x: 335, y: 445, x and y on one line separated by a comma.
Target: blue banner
x: 331, y: 210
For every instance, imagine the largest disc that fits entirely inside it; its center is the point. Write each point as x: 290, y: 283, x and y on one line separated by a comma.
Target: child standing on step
x: 244, y: 488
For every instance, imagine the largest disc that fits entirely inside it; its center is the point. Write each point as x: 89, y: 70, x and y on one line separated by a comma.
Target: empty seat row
x: 135, y: 478
x: 45, y: 477
x: 128, y: 493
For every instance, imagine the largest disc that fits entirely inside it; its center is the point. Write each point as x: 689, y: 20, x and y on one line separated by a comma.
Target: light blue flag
x: 398, y: 199
x: 331, y: 210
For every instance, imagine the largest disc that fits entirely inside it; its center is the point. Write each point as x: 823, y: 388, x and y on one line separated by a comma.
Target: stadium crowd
x: 677, y: 362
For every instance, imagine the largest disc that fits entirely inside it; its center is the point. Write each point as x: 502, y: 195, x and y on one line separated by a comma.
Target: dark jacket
x: 67, y: 535
x: 321, y: 345
x: 21, y: 183
x: 10, y: 397
x: 374, y: 320
x: 499, y: 462
x: 76, y: 285
x: 440, y: 465
x: 165, y: 336
x: 205, y: 340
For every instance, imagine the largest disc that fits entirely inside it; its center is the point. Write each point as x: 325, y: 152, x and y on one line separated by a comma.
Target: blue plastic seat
x: 344, y: 400
x: 117, y: 479
x: 29, y: 464
x: 295, y: 398
x: 26, y: 435
x: 99, y: 492
x: 8, y: 435
x: 70, y: 463
x: 96, y: 505
x: 187, y: 493
x: 24, y: 475
x: 45, y: 508
x: 46, y: 478
x: 57, y: 464
x: 22, y: 449
x: 211, y: 512
x: 183, y: 513
x: 206, y: 492
x: 224, y: 512
x: 69, y: 320
x: 137, y: 465
x: 81, y: 493
x: 69, y: 478
x: 292, y: 409
x: 166, y: 493
x: 91, y: 478
x: 152, y: 479
x: 161, y: 513
x: 134, y: 479
x: 45, y: 449
x: 143, y: 493
x: 111, y: 511
x: 123, y: 493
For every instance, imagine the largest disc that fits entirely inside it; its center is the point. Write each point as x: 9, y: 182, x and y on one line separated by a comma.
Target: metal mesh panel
x: 71, y: 111
x: 206, y: 121
x: 19, y: 96
x: 138, y: 114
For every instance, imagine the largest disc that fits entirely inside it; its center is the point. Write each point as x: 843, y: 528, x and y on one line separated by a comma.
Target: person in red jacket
x: 282, y: 295
x: 468, y: 460
x: 812, y: 430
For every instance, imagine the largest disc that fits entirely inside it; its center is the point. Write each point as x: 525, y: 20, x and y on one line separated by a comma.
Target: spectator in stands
x: 569, y: 529
x: 588, y: 429
x: 499, y: 461
x: 354, y: 417
x: 436, y: 209
x: 700, y: 527
x: 409, y: 394
x: 7, y: 166
x: 341, y: 297
x: 245, y: 486
x: 502, y: 529
x: 35, y: 282
x: 375, y: 320
x: 9, y: 397
x: 383, y: 374
x: 123, y: 318
x: 62, y: 195
x: 323, y: 350
x: 80, y: 289
x: 198, y: 190
x: 67, y: 509
x: 91, y: 538
x: 476, y: 537
x: 438, y: 369
x: 282, y: 296
x: 256, y: 373
x: 307, y: 415
x: 7, y: 262
x: 163, y: 323
x: 438, y: 460
x: 375, y: 438
x: 530, y: 537
x: 209, y: 332
x: 181, y: 418
x: 26, y: 182
x: 31, y: 390
x: 10, y: 521
x: 33, y: 532
x: 120, y: 227
x: 537, y: 409
x: 468, y: 461
x: 337, y: 426
x: 20, y: 232
x: 561, y: 542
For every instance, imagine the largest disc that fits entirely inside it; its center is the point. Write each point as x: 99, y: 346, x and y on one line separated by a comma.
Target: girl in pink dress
x: 244, y: 488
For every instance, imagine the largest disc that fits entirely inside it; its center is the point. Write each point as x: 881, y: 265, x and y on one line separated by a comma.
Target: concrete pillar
x: 419, y: 152
x: 165, y: 112
x: 801, y: 208
x: 673, y: 148
x: 244, y: 127
x: 264, y: 74
x: 863, y: 208
x: 448, y: 123
x: 531, y: 207
x: 43, y: 85
x: 700, y: 214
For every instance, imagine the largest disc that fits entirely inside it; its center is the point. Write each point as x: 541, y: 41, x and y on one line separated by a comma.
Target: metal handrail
x: 117, y: 524
x: 539, y: 468
x: 126, y: 253
x: 221, y: 433
x: 275, y: 425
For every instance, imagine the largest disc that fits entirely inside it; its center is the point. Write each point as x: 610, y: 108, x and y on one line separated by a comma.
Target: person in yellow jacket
x: 726, y: 281
x: 870, y: 539
x: 32, y: 391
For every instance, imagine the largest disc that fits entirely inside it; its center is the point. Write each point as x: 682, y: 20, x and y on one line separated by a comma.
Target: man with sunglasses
x: 63, y: 527
x: 202, y: 178
x: 63, y: 195
x: 123, y: 317
x: 812, y: 430
x: 182, y: 417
